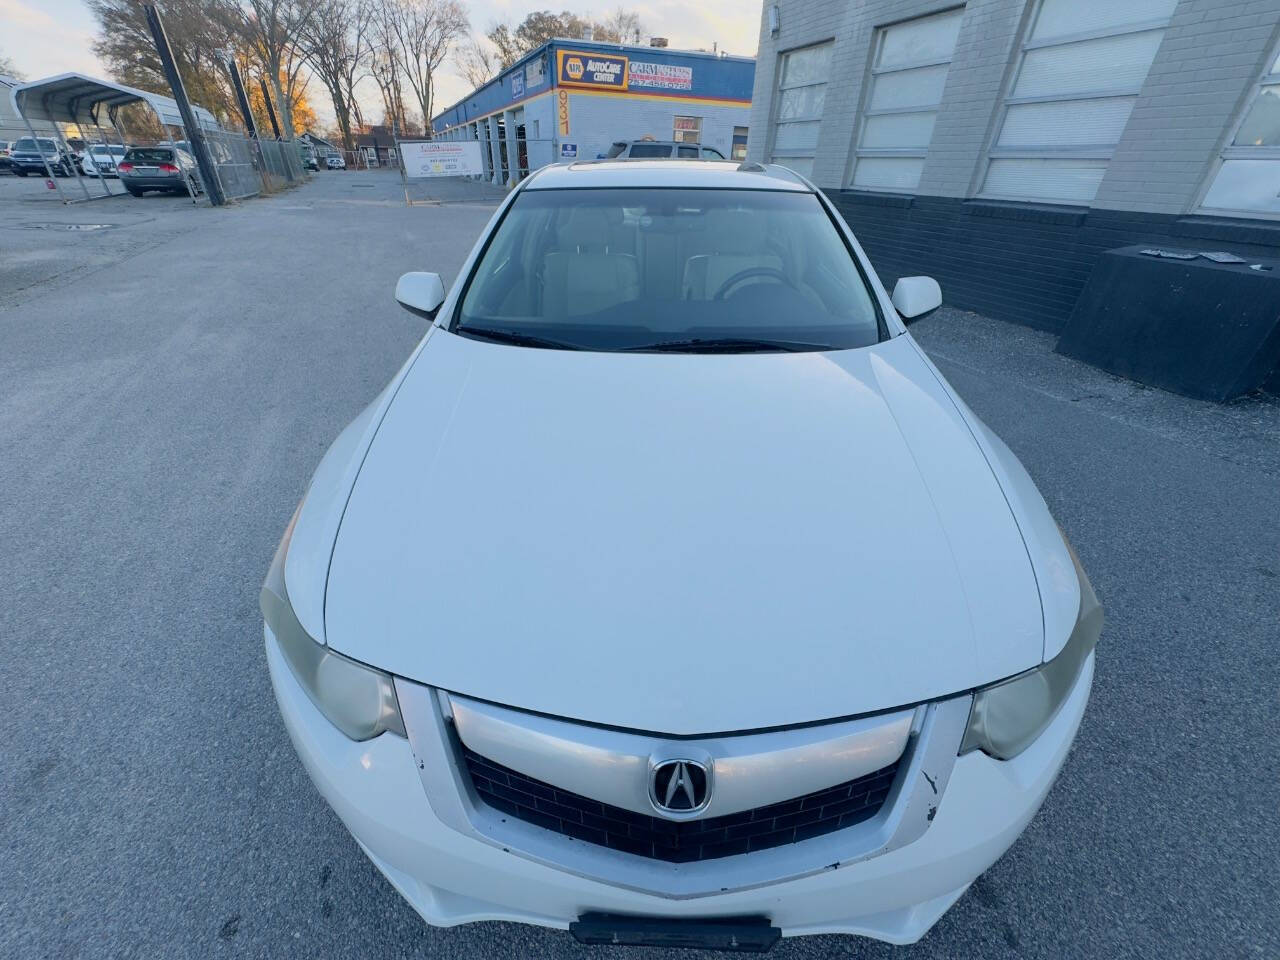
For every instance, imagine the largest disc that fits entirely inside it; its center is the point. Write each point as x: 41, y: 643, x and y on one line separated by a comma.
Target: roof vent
x: 658, y: 41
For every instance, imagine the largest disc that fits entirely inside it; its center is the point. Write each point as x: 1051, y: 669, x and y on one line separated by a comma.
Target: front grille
x: 687, y: 841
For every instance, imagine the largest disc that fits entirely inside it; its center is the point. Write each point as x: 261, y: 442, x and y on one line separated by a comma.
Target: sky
x: 48, y: 37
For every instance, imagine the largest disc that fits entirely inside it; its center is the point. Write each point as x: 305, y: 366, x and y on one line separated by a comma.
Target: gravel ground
x: 168, y: 383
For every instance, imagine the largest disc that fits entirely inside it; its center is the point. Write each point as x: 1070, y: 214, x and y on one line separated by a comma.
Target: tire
x: 19, y: 173
x: 134, y: 191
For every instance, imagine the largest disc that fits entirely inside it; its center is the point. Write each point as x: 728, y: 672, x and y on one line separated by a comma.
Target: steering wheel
x: 749, y: 274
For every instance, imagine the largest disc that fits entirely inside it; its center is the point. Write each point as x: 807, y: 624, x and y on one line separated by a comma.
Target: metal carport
x: 80, y: 99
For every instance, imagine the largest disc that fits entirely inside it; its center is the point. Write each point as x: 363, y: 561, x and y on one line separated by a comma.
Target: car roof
x: 707, y: 174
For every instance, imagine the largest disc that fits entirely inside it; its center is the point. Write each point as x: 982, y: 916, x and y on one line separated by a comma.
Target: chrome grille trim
x: 914, y: 799
x: 751, y: 770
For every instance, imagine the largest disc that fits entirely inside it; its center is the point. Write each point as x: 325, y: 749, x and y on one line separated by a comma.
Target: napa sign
x: 595, y: 70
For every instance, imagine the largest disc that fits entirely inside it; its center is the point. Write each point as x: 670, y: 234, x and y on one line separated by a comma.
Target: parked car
x: 660, y: 150
x: 28, y: 155
x: 670, y: 581
x: 4, y: 154
x: 335, y: 162
x: 169, y: 169
x: 104, y: 157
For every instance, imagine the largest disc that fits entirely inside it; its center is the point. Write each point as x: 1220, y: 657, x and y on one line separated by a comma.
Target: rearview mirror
x: 916, y: 297
x: 421, y: 293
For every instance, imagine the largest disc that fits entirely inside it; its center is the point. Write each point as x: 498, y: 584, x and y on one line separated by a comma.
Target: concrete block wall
x: 1203, y: 75
x: 1028, y: 261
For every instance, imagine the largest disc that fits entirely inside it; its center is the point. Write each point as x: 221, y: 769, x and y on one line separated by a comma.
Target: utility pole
x: 271, y: 110
x: 208, y: 172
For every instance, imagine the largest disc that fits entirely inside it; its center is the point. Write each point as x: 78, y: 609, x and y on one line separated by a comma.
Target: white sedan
x: 668, y: 594
x: 104, y: 157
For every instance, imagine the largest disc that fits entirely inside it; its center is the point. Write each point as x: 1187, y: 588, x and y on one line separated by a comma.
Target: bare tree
x: 336, y: 44
x: 273, y: 29
x: 199, y: 34
x: 621, y: 26
x: 8, y: 69
x: 425, y: 30
x: 384, y: 65
x: 476, y: 60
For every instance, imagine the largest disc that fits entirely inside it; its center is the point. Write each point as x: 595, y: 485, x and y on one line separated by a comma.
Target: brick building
x: 570, y: 99
x: 1000, y: 145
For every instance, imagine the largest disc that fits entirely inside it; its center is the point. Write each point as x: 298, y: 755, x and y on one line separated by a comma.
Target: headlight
x: 1007, y: 717
x: 357, y: 699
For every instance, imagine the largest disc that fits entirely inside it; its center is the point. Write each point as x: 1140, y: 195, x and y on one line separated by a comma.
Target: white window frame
x: 678, y: 134
x: 1231, y: 152
x: 920, y: 153
x: 1050, y: 151
x: 778, y: 88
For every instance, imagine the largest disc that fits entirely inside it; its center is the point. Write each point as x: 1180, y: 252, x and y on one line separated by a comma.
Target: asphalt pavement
x: 169, y: 379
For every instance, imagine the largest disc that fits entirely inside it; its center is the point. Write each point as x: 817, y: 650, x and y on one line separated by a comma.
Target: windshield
x: 26, y: 143
x: 649, y: 151
x: 149, y: 156
x: 634, y: 269
x: 107, y: 151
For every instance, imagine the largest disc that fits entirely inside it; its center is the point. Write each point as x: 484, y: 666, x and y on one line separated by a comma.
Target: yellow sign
x: 562, y: 111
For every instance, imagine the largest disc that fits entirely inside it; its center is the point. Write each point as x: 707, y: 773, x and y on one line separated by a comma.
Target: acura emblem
x: 679, y: 787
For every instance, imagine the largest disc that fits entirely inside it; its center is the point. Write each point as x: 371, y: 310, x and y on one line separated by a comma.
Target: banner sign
x: 441, y: 158
x: 562, y: 112
x: 597, y: 70
x: 517, y: 85
x: 535, y: 73
x: 663, y: 76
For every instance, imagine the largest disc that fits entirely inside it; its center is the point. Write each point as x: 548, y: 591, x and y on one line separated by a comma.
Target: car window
x: 710, y: 153
x: 688, y: 152
x: 616, y: 150
x: 622, y: 269
x: 149, y: 155
x: 650, y: 150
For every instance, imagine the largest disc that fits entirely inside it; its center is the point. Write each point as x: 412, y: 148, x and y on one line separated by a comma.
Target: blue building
x: 571, y: 99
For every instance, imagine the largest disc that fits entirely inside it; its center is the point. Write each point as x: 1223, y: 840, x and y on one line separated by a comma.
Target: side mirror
x: 916, y: 297
x: 421, y: 293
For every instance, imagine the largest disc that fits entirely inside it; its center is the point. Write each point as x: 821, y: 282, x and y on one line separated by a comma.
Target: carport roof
x: 77, y: 98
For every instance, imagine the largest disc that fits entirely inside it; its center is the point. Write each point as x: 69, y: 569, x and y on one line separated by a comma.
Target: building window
x: 688, y: 130
x: 907, y: 76
x: 802, y: 91
x: 739, y: 149
x: 1080, y: 71
x: 1248, y: 181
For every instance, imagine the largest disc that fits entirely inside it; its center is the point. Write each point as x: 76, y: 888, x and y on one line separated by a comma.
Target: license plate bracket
x: 733, y: 934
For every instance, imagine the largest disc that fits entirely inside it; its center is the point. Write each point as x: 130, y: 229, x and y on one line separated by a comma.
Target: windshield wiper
x: 727, y: 345
x: 517, y: 339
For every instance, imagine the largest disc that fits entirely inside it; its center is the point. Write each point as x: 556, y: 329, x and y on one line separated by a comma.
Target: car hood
x: 682, y: 544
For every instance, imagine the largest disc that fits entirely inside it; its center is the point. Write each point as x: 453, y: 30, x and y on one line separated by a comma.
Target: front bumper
x: 451, y: 877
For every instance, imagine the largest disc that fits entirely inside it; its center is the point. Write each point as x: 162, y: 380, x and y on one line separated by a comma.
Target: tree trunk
x: 282, y: 105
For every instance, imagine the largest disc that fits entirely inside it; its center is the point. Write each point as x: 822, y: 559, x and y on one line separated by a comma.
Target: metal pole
x: 114, y: 162
x: 271, y: 110
x: 44, y: 159
x: 74, y: 172
x: 88, y: 152
x: 208, y: 172
x: 242, y: 99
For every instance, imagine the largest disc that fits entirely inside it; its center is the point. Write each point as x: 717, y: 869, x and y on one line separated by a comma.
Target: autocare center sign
x: 591, y: 70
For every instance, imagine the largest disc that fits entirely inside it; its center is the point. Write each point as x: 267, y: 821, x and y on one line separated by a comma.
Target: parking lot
x: 169, y: 376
